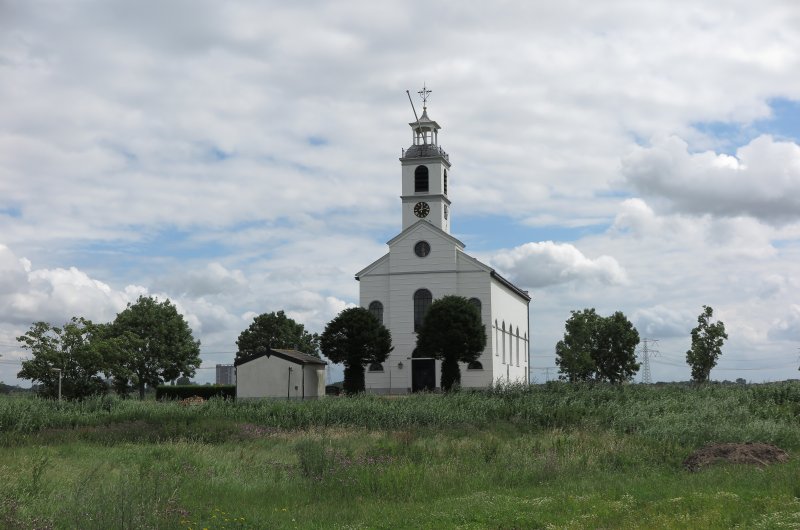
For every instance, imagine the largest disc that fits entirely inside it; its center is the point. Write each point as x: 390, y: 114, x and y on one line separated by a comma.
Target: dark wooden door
x: 423, y: 375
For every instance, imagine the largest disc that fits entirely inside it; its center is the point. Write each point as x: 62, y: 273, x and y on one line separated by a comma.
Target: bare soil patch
x: 757, y: 454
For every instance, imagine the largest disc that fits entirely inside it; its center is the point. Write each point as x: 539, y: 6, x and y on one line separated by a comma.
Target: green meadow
x: 550, y: 456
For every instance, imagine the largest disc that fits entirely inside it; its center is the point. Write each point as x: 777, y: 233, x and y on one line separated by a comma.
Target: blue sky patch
x: 785, y: 120
x: 169, y: 243
x: 317, y: 141
x: 11, y: 211
x: 219, y: 155
x: 783, y: 124
x: 482, y: 233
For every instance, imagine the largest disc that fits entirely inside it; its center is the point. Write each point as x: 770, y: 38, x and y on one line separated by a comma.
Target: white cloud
x: 787, y: 327
x: 772, y: 285
x: 663, y: 322
x: 762, y: 180
x: 728, y: 236
x: 214, y: 279
x: 548, y: 263
x: 55, y: 295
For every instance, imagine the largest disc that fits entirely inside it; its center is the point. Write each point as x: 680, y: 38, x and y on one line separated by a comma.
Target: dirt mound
x: 757, y: 454
x: 194, y: 400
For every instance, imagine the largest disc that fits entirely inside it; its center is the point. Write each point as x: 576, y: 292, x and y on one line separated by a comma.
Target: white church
x: 425, y: 263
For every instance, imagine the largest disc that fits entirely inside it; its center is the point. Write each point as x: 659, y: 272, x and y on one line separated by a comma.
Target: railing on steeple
x: 428, y: 150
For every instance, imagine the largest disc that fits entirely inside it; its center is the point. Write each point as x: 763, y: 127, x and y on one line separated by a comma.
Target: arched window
x: 496, y: 339
x: 525, y: 346
x: 422, y: 301
x: 376, y: 308
x: 517, y: 346
x: 476, y: 303
x: 503, y: 339
x: 510, y: 344
x: 475, y: 365
x: 376, y: 367
x: 421, y: 179
x: 445, y: 182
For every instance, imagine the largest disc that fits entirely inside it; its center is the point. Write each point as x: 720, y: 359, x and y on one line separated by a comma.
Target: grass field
x: 554, y: 456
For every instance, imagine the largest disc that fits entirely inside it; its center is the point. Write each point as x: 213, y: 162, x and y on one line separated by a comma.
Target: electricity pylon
x: 646, y: 352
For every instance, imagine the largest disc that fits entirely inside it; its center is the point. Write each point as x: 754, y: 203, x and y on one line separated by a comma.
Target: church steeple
x: 425, y: 167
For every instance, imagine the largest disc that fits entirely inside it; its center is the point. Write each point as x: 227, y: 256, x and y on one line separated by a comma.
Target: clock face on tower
x: 421, y: 209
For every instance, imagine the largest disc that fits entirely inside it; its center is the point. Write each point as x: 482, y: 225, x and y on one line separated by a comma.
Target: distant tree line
x: 150, y: 343
x: 597, y: 348
x: 147, y: 343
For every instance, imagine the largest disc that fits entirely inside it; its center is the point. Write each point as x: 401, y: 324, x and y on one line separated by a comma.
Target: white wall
x: 510, y: 361
x: 269, y: 377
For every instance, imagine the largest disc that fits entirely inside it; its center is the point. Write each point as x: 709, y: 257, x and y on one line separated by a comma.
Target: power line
x: 749, y: 368
x: 736, y: 359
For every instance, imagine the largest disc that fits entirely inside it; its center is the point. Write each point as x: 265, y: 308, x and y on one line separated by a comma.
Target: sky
x: 242, y: 157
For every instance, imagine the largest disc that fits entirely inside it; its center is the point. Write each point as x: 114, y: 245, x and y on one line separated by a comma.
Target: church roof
x: 425, y: 120
x: 293, y: 356
x: 425, y: 151
x: 371, y: 266
x: 494, y: 274
x: 520, y: 292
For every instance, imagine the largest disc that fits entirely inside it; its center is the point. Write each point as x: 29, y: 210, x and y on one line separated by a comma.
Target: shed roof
x: 293, y: 356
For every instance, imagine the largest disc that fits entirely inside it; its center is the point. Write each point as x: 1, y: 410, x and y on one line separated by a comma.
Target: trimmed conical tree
x: 355, y: 338
x: 452, y: 332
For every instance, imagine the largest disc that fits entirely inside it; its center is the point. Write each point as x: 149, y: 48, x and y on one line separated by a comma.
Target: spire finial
x: 424, y: 93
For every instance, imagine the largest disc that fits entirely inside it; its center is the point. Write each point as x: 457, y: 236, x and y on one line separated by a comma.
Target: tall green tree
x: 574, y: 352
x: 707, y: 340
x: 276, y: 330
x: 153, y: 344
x: 356, y: 338
x: 452, y: 332
x: 597, y: 348
x: 74, y: 350
x: 615, y: 357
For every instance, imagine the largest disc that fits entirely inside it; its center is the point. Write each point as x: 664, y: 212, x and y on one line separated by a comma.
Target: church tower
x: 425, y: 167
x: 424, y: 263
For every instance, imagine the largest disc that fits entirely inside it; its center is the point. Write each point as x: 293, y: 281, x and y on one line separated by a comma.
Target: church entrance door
x: 423, y: 375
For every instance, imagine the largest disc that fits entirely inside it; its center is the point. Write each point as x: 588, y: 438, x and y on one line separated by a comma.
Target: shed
x: 275, y: 373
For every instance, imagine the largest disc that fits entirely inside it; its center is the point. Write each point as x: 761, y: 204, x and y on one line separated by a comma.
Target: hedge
x: 203, y: 391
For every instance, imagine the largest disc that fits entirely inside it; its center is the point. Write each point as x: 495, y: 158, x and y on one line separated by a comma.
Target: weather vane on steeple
x: 424, y: 93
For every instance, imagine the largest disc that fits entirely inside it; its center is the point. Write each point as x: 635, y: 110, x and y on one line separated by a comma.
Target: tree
x: 276, y: 330
x: 452, y: 332
x: 707, y: 340
x: 597, y: 348
x: 153, y: 344
x: 73, y: 350
x: 574, y: 353
x: 615, y: 359
x: 356, y: 338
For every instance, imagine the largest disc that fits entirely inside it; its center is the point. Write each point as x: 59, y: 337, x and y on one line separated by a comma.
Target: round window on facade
x: 422, y: 249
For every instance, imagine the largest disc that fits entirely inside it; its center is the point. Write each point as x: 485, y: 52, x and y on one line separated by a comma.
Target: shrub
x: 203, y: 391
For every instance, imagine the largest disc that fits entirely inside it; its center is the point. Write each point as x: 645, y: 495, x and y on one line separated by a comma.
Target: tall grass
x: 670, y: 413
x: 556, y: 455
